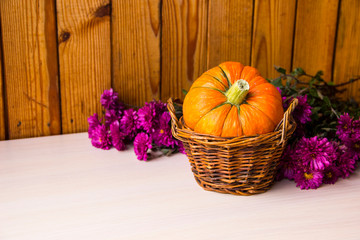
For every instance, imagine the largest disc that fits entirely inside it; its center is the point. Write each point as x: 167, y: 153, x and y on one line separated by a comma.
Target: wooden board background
x: 58, y: 56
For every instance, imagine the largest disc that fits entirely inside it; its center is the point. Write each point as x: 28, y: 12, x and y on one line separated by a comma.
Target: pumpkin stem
x: 237, y: 92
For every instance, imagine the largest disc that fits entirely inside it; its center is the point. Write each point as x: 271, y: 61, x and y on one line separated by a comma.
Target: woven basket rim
x: 283, y: 130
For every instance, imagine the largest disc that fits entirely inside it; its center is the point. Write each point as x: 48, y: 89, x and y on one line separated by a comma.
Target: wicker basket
x: 241, y: 165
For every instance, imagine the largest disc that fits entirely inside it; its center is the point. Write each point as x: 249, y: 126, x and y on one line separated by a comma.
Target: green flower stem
x: 237, y: 92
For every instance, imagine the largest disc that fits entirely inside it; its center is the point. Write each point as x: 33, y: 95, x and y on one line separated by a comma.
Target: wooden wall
x: 57, y: 56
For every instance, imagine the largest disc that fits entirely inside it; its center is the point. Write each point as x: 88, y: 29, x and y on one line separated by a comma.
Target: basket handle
x: 171, y: 109
x: 285, y: 120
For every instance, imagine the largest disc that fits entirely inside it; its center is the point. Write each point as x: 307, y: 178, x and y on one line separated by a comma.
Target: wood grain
x: 136, y: 28
x: 84, y: 58
x: 30, y: 65
x: 2, y: 99
x: 273, y: 35
x: 184, y: 45
x: 230, y: 30
x: 315, y: 36
x: 347, y: 52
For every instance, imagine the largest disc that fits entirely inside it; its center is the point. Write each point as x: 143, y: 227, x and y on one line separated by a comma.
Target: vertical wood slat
x: 30, y: 65
x: 84, y: 59
x: 2, y: 100
x: 230, y: 30
x: 136, y: 50
x: 347, y: 51
x: 184, y: 45
x: 273, y: 35
x: 315, y: 36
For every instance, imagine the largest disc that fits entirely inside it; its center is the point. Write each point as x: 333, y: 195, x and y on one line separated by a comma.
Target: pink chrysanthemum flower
x: 100, y: 138
x: 111, y: 116
x: 331, y: 174
x: 302, y: 112
x: 109, y: 99
x: 142, y: 143
x: 315, y: 153
x: 93, y: 123
x: 117, y: 137
x: 162, y: 135
x: 128, y: 123
x: 149, y: 115
x: 288, y: 163
x: 180, y: 146
x: 146, y: 116
x: 307, y: 179
x: 346, y: 162
x: 344, y: 126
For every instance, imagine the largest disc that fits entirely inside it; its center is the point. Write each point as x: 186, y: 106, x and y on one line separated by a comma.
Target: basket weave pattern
x: 244, y: 165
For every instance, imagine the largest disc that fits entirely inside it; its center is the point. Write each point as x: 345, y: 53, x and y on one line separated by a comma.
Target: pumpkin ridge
x: 227, y: 114
x: 227, y: 79
x: 262, y: 113
x: 238, y: 108
x: 215, y: 89
x: 220, y: 105
x: 206, y: 74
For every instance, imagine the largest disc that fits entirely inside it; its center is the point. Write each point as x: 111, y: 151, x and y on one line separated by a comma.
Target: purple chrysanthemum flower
x: 112, y: 115
x: 149, y: 115
x: 93, y: 123
x: 344, y: 126
x: 109, y: 99
x: 288, y: 163
x: 353, y: 145
x: 159, y: 107
x: 331, y: 174
x: 302, y: 112
x: 142, y: 143
x: 346, y: 162
x: 315, y: 153
x: 180, y: 146
x: 128, y: 123
x: 146, y: 116
x: 308, y: 179
x: 100, y: 138
x: 117, y: 137
x: 162, y: 135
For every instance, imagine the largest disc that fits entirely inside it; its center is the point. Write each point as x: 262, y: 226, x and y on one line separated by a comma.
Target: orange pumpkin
x: 232, y: 100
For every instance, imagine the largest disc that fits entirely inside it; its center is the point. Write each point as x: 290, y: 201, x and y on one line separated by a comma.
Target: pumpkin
x: 232, y: 100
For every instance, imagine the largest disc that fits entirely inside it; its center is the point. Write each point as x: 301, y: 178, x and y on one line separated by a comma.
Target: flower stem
x: 237, y: 92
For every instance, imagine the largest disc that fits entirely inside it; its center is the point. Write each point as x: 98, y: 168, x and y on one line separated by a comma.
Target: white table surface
x: 61, y: 187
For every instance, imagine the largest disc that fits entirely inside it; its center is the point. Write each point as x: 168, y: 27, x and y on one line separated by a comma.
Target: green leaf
x: 298, y: 72
x: 277, y: 82
x: 280, y: 70
x: 327, y: 101
x: 315, y: 110
x: 313, y: 92
x: 319, y: 73
x: 184, y: 92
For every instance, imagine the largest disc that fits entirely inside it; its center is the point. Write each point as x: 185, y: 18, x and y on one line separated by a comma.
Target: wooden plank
x: 347, y: 53
x: 136, y: 50
x: 315, y: 36
x: 230, y: 30
x: 2, y: 106
x: 84, y: 58
x: 273, y: 35
x: 30, y: 65
x: 184, y: 45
